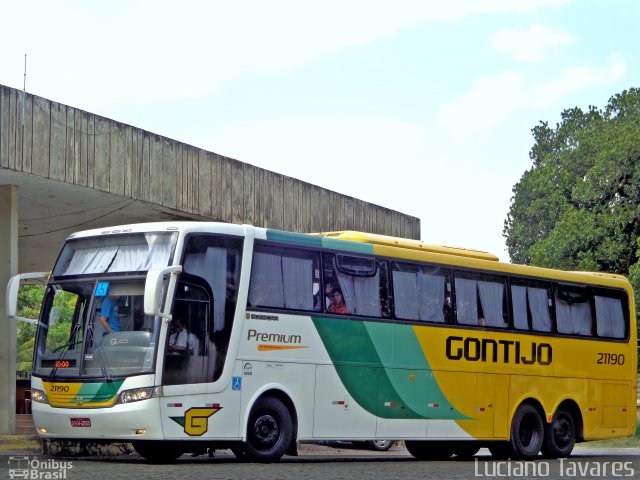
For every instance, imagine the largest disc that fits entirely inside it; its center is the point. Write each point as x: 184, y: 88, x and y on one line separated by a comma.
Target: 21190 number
x: 610, y: 359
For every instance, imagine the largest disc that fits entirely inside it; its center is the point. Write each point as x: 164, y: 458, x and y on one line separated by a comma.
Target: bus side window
x: 531, y: 306
x: 421, y: 293
x: 573, y: 310
x: 359, y: 283
x: 481, y: 300
x: 284, y: 278
x: 466, y: 300
x: 610, y: 318
x: 492, y: 296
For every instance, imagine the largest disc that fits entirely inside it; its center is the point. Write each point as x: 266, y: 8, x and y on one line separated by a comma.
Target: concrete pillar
x: 8, y: 268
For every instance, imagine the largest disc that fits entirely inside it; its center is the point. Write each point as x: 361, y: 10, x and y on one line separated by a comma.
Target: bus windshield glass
x: 95, y: 328
x: 134, y: 252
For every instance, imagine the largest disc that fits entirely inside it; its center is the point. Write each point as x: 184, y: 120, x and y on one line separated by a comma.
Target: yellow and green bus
x: 233, y: 336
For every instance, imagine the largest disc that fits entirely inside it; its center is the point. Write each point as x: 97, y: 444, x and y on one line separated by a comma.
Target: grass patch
x: 624, y: 442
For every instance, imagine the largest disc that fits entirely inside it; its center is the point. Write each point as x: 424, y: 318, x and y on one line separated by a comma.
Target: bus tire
x: 269, y: 431
x: 559, y: 435
x: 527, y: 433
x: 428, y: 450
x: 158, y: 451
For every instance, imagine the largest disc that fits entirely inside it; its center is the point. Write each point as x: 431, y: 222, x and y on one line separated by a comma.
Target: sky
x: 425, y: 107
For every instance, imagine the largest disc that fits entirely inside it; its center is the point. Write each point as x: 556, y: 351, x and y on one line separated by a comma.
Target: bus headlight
x: 39, y: 396
x: 135, y: 395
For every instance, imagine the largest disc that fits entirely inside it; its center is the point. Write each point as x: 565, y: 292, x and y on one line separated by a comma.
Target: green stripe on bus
x: 359, y: 367
x: 347, y: 246
x: 378, y: 378
x: 98, y: 392
x: 317, y: 241
x: 294, y: 238
x: 410, y: 374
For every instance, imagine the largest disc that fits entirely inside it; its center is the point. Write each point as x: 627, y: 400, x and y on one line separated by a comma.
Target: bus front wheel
x: 269, y: 431
x: 559, y: 435
x: 527, y: 432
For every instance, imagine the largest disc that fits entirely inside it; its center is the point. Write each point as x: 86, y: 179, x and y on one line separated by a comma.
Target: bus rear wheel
x: 560, y: 435
x: 429, y: 450
x: 158, y: 451
x: 527, y: 432
x: 269, y: 432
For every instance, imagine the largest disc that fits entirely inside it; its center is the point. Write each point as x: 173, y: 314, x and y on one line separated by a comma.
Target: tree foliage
x: 29, y: 304
x: 578, y: 206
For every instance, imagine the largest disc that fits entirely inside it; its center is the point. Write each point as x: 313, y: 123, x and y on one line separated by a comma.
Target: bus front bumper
x: 123, y: 422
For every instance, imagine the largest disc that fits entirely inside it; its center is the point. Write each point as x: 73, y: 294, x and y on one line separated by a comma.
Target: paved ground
x: 20, y: 457
x: 30, y: 445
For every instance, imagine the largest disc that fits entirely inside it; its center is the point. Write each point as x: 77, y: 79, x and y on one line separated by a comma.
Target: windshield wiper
x: 96, y: 350
x: 65, y: 348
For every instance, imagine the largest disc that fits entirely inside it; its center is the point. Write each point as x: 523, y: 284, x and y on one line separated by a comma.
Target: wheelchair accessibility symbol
x: 236, y: 383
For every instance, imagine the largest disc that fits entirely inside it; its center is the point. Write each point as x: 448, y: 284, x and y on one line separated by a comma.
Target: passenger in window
x: 446, y: 313
x: 337, y: 302
x: 109, y: 315
x: 179, y: 338
x: 328, y: 288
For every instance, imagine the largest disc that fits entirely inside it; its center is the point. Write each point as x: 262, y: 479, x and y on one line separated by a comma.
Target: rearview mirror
x: 13, y: 287
x: 153, y: 289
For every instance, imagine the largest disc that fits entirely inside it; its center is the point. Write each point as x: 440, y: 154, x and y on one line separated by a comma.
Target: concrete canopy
x: 49, y: 211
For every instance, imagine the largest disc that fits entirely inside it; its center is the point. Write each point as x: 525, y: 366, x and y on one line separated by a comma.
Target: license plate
x: 80, y: 422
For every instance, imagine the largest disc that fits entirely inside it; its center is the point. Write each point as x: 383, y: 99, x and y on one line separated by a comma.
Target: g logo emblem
x: 196, y: 420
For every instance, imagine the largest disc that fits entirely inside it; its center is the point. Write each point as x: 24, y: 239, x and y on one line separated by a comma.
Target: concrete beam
x: 8, y: 268
x: 63, y: 144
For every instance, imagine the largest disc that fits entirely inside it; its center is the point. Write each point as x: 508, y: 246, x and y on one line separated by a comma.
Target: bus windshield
x: 95, y: 328
x: 92, y: 322
x: 135, y: 252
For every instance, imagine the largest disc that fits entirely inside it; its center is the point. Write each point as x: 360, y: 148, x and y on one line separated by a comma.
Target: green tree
x: 578, y: 206
x: 29, y: 303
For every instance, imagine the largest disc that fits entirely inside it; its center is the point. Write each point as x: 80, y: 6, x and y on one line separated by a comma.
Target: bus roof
x: 166, y: 226
x: 408, y: 243
x: 475, y: 258
x: 388, y: 245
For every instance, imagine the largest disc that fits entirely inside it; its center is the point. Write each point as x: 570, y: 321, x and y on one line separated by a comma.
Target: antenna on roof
x: 24, y: 98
